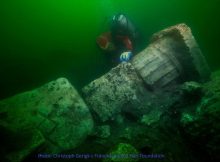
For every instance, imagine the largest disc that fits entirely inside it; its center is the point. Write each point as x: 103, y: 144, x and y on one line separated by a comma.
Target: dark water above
x: 41, y: 40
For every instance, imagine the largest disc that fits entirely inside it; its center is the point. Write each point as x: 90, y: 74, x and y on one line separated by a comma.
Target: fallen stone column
x: 120, y: 88
x: 54, y: 118
x: 172, y: 57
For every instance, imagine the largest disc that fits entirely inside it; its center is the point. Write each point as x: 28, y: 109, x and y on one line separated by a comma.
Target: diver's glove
x: 125, y: 56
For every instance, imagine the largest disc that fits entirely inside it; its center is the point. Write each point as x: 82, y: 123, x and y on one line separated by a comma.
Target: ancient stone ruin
x: 145, y: 102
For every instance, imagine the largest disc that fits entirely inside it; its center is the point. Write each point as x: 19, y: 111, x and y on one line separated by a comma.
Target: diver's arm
x: 128, y: 44
x: 127, y: 55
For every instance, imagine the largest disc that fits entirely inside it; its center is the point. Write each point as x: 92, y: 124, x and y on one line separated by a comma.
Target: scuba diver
x: 119, y: 42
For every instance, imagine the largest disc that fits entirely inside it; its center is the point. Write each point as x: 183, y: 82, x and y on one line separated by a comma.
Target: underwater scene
x: 109, y: 81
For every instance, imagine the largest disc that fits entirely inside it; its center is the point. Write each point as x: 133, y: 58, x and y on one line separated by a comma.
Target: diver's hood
x: 120, y: 20
x: 122, y: 25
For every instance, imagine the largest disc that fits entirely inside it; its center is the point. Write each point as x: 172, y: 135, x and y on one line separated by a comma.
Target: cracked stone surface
x: 52, y: 115
x: 120, y: 89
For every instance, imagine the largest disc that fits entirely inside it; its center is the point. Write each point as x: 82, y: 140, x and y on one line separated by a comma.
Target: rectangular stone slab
x: 55, y: 110
x: 120, y: 88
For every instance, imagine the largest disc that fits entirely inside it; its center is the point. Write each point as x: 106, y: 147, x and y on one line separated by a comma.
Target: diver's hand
x: 125, y: 56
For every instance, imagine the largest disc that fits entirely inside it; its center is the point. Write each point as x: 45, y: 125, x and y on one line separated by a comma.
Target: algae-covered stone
x: 55, y: 111
x: 192, y: 91
x: 22, y: 144
x: 123, y: 152
x: 150, y: 118
x: 203, y: 125
x: 121, y: 88
x: 103, y: 131
x: 191, y: 87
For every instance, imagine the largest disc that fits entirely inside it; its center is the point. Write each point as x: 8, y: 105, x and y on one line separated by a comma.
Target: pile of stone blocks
x: 54, y: 118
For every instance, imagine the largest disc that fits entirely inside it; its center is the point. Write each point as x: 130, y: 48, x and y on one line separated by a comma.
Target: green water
x: 42, y: 40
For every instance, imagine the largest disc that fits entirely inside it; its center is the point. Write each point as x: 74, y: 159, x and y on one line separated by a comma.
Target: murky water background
x: 41, y: 40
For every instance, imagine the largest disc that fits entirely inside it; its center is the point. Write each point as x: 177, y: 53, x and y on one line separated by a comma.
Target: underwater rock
x: 150, y: 118
x: 191, y: 87
x: 173, y: 56
x: 192, y: 91
x: 15, y: 146
x: 202, y: 126
x: 120, y: 88
x: 53, y: 115
x: 103, y: 131
x: 150, y: 97
x: 123, y: 152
